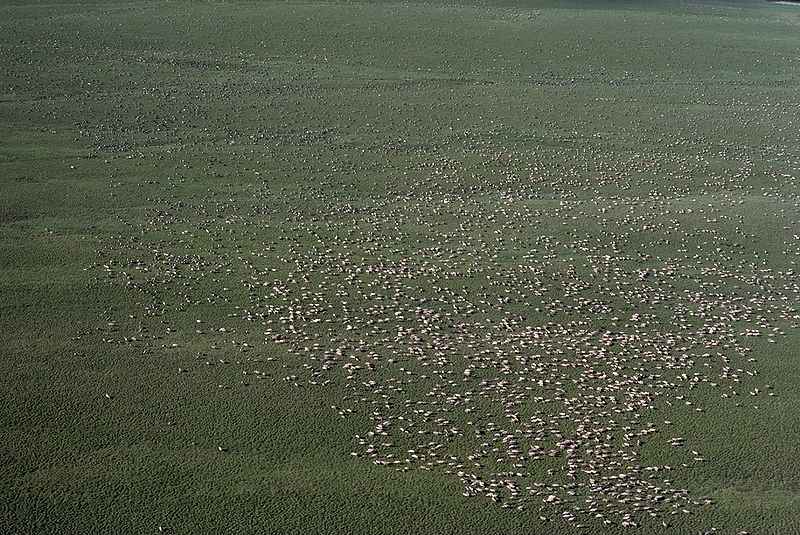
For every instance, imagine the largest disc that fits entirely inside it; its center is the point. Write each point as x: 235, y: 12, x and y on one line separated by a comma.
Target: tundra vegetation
x: 399, y: 267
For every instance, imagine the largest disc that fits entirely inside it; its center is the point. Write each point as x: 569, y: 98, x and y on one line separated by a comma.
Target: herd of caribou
x: 531, y: 346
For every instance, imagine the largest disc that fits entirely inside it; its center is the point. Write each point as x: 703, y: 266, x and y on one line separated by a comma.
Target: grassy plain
x: 259, y: 165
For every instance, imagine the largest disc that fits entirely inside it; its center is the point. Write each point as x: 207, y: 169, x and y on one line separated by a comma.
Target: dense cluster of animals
x: 527, y: 344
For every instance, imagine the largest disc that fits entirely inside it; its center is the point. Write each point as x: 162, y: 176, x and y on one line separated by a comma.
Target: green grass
x: 163, y: 163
